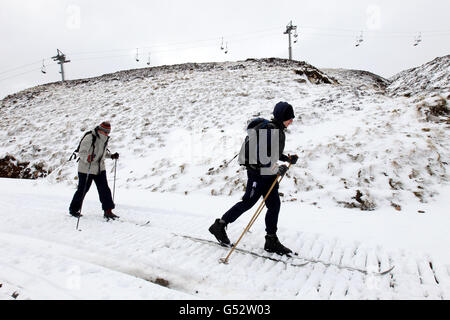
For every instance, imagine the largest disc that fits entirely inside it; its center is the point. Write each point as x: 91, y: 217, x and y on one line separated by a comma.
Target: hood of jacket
x: 283, y: 111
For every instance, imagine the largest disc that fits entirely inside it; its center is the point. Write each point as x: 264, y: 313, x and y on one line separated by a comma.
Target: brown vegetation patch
x: 10, y: 167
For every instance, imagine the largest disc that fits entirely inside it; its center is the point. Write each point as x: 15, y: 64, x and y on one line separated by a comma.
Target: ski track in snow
x: 44, y: 257
x: 171, y: 125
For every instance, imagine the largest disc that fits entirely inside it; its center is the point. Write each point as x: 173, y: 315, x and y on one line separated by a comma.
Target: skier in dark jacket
x: 91, y: 167
x: 260, y: 179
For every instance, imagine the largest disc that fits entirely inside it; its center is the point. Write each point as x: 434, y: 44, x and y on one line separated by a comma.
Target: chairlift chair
x: 137, y: 55
x: 226, y: 48
x: 359, y: 40
x: 417, y: 40
x: 43, y: 68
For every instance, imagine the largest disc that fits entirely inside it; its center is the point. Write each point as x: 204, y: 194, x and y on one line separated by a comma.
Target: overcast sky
x: 100, y: 36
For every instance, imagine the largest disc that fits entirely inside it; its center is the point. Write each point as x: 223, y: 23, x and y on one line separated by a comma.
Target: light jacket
x: 98, y: 149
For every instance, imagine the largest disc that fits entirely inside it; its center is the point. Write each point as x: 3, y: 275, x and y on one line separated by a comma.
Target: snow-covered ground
x: 175, y: 127
x: 43, y: 256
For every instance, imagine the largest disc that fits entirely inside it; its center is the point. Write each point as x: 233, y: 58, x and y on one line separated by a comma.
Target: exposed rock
x: 10, y: 167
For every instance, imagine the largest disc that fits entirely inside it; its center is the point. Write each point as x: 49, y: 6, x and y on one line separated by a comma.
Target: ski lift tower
x: 61, y: 58
x: 289, y: 29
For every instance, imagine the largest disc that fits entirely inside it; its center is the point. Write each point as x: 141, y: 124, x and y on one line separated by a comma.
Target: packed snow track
x: 43, y: 256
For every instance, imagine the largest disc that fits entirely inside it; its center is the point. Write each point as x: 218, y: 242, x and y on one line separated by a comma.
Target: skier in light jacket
x: 91, y: 167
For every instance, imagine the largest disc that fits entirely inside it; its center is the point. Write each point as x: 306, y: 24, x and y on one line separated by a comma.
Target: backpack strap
x: 257, y: 123
x: 74, y: 156
x: 105, y: 147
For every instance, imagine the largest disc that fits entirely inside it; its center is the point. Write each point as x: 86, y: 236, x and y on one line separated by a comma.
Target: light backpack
x: 249, y: 157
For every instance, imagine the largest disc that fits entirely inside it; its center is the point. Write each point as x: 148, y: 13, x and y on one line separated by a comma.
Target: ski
x: 350, y: 268
x: 243, y: 251
x: 121, y: 220
x: 291, y: 258
x: 139, y: 224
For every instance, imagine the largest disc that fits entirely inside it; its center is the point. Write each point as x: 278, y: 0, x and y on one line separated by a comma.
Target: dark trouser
x: 257, y: 186
x: 103, y: 191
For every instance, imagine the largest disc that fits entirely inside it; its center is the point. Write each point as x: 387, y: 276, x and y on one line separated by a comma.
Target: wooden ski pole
x: 225, y: 260
x: 263, y: 205
x: 253, y: 219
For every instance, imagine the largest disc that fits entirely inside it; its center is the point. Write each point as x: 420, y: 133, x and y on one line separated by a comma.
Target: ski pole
x: 253, y: 219
x: 84, y: 192
x: 264, y: 204
x: 114, y: 187
x: 226, y: 164
x: 58, y: 168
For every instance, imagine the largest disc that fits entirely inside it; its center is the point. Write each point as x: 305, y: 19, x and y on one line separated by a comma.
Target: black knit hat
x: 283, y: 111
x: 105, y: 126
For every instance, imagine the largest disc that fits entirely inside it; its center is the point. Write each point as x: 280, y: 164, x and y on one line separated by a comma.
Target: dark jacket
x: 283, y: 111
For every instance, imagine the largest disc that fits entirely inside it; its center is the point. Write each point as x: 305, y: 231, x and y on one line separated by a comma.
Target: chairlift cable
x: 20, y: 74
x: 310, y: 31
x: 23, y: 66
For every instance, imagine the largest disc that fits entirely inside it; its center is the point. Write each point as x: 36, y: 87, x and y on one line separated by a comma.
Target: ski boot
x: 109, y: 215
x: 218, y: 230
x: 273, y: 245
x: 76, y: 214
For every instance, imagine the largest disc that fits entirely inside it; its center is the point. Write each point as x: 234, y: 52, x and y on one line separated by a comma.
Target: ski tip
x: 387, y: 271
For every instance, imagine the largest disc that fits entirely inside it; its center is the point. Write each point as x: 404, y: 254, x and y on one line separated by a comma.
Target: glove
x: 90, y: 158
x: 282, y: 170
x: 293, y: 159
x: 115, y: 156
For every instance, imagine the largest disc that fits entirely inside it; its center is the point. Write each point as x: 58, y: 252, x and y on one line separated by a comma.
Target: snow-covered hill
x: 361, y: 144
x: 427, y: 88
x: 431, y: 78
x: 176, y: 126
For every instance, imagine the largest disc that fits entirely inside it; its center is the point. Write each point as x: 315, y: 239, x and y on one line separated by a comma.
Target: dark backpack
x: 244, y: 154
x: 74, y: 154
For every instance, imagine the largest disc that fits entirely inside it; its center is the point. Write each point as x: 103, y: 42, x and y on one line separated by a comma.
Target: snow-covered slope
x: 429, y: 79
x: 43, y: 256
x: 427, y: 88
x: 176, y: 126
